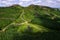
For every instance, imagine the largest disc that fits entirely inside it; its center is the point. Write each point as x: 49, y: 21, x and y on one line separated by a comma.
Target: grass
x: 30, y: 23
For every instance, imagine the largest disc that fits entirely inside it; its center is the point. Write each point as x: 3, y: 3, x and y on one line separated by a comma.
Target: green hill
x: 29, y: 23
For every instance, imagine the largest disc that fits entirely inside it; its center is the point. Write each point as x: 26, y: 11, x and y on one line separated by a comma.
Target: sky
x: 26, y: 3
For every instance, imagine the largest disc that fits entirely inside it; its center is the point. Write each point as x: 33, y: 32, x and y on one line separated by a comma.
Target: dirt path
x: 13, y: 23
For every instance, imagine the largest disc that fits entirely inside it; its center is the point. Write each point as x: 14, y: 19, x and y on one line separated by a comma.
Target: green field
x: 29, y: 23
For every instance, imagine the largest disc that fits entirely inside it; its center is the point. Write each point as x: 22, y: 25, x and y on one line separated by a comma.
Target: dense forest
x: 29, y: 23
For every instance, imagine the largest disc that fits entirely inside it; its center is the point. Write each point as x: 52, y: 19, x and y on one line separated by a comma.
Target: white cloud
x: 24, y: 3
x: 25, y: 0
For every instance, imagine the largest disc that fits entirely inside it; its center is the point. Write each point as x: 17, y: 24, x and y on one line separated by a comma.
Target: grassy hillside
x: 29, y: 23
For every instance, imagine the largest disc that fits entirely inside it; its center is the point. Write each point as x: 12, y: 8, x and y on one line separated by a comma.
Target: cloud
x: 25, y: 3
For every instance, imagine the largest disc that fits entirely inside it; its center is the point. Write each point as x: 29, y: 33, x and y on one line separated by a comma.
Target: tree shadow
x: 37, y: 36
x: 47, y: 22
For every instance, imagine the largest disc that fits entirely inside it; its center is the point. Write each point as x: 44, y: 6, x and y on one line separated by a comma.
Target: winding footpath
x: 13, y: 23
x: 25, y: 22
